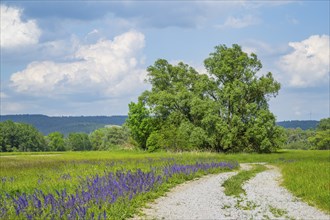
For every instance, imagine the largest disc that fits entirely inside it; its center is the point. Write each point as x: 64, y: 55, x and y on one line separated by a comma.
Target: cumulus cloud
x: 14, y: 31
x: 240, y: 22
x: 308, y: 63
x: 104, y: 69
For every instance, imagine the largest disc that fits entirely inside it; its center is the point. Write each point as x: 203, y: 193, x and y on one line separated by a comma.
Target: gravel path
x: 204, y: 199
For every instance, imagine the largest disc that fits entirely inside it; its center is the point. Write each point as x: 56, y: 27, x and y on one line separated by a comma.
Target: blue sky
x: 90, y: 57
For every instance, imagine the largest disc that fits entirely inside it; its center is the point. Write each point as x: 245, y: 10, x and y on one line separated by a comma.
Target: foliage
x: 321, y: 140
x: 309, y: 139
x: 78, y: 142
x: 108, y: 137
x: 24, y: 137
x: 20, y: 137
x: 298, y: 138
x: 226, y: 110
x: 324, y: 124
x: 56, y: 141
x: 139, y: 123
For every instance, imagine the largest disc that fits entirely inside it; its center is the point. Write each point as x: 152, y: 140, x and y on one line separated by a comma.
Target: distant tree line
x: 24, y: 137
x: 318, y: 138
x: 65, y: 124
x: 303, y: 124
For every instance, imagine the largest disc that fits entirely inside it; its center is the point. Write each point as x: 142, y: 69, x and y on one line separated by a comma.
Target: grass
x: 233, y: 185
x: 277, y: 212
x: 309, y: 180
x: 24, y: 173
x: 305, y: 173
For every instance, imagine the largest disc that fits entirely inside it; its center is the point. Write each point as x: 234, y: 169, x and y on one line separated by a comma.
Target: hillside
x: 65, y: 124
x: 304, y: 125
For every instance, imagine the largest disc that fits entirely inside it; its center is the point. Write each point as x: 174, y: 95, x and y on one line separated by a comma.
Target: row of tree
x: 25, y: 137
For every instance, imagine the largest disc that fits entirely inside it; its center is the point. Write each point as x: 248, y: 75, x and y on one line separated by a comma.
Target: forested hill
x: 66, y: 124
x: 87, y: 124
x: 304, y: 125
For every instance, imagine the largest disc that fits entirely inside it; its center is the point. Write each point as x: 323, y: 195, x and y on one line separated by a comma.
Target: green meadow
x: 305, y: 173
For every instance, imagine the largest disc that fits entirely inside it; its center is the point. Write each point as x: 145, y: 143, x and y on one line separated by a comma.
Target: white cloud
x: 104, y: 69
x: 14, y: 31
x: 308, y: 63
x: 240, y: 22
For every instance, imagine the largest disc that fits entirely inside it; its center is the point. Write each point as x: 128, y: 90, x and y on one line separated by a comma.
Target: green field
x: 33, y: 185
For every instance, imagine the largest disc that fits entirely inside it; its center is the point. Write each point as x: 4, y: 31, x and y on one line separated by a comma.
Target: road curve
x: 205, y: 199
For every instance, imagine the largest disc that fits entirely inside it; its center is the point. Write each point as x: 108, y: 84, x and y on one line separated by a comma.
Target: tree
x: 226, y: 110
x: 243, y: 98
x: 139, y: 123
x: 324, y: 124
x: 298, y: 138
x: 321, y: 139
x: 56, y: 141
x: 20, y: 137
x: 78, y: 142
x: 9, y: 136
x: 105, y: 138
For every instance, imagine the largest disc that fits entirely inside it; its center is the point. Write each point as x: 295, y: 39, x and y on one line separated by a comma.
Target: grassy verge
x: 309, y: 180
x: 233, y: 185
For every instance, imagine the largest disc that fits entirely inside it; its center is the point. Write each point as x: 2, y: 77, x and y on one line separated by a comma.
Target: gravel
x: 204, y: 199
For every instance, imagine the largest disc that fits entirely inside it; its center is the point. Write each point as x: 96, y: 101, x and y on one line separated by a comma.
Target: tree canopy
x: 324, y: 124
x: 321, y: 139
x: 78, y: 142
x: 109, y: 137
x: 225, y: 109
x: 20, y: 137
x: 56, y: 141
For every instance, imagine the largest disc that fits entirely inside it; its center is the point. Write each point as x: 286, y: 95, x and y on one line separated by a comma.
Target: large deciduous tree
x: 224, y: 110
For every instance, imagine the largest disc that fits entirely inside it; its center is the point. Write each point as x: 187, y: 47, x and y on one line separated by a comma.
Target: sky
x: 77, y: 58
